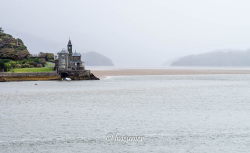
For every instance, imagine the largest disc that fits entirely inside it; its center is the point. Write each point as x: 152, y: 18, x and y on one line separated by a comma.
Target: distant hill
x: 96, y: 59
x: 11, y: 48
x: 216, y: 58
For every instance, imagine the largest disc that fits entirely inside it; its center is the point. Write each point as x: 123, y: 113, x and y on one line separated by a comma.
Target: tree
x: 1, y: 30
x: 47, y: 56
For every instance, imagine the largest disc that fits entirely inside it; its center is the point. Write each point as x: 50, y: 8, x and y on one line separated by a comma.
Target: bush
x: 7, y: 65
x: 25, y: 65
x: 2, y: 67
x: 18, y: 66
x: 47, y: 56
x: 1, y: 30
x: 21, y: 48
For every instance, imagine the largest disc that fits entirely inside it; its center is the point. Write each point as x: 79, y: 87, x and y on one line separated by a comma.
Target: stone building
x: 67, y: 60
x: 70, y: 65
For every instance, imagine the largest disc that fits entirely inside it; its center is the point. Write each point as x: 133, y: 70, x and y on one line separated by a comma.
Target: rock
x: 11, y: 48
x: 93, y: 77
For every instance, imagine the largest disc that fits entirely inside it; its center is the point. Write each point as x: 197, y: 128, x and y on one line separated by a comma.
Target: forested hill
x: 11, y: 48
x: 217, y: 58
x: 96, y: 59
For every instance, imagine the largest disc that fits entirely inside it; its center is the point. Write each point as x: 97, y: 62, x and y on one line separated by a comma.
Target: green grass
x: 49, y: 67
x: 50, y: 64
x: 25, y: 70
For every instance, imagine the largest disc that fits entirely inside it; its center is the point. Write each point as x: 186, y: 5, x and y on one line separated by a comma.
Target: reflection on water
x: 201, y: 113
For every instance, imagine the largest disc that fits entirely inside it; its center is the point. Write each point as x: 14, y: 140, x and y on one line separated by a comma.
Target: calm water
x: 175, y: 114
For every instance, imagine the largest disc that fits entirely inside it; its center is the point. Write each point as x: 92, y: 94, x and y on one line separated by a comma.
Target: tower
x: 70, y: 54
x: 70, y: 47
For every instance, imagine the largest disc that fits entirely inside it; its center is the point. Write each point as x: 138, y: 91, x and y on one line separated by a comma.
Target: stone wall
x: 28, y: 74
x: 45, y: 76
x: 40, y: 76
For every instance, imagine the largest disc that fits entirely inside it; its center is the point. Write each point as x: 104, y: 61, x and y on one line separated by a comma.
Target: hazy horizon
x: 131, y: 33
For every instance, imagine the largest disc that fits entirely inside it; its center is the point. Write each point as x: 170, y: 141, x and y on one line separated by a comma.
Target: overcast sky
x: 130, y: 32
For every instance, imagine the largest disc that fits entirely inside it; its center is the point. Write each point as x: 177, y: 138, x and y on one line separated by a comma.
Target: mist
x: 130, y: 32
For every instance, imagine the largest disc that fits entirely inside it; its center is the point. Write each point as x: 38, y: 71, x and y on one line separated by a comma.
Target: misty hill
x: 96, y: 59
x: 11, y: 48
x: 217, y: 58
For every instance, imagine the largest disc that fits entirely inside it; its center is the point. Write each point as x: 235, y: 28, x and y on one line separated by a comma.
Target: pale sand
x: 121, y: 72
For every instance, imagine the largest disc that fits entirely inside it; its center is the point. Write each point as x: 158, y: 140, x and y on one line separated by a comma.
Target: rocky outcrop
x: 93, y: 77
x: 78, y: 75
x: 11, y: 48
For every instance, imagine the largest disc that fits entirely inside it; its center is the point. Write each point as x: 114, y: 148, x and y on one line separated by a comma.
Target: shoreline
x: 31, y: 76
x: 131, y: 72
x: 47, y: 76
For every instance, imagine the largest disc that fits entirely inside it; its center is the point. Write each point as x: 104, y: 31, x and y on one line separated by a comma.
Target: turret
x: 70, y: 47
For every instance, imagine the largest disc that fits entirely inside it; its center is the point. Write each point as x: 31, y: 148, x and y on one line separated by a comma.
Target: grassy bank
x: 48, y: 68
x: 26, y: 70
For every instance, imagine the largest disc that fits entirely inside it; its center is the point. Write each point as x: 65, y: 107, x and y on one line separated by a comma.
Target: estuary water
x: 168, y: 114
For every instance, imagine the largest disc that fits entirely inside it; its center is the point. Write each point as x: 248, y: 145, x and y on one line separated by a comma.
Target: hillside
x: 11, y: 48
x: 14, y: 56
x: 96, y: 59
x: 216, y: 58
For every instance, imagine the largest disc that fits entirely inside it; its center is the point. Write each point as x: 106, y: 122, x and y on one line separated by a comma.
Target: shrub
x: 1, y: 30
x: 7, y: 64
x: 18, y: 66
x: 47, y: 56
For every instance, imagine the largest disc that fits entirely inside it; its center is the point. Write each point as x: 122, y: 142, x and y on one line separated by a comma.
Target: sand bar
x: 121, y: 72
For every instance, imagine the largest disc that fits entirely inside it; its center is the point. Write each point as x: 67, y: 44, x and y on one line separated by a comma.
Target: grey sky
x: 130, y: 32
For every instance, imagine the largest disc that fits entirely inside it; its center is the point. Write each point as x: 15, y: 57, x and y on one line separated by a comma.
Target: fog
x: 130, y: 32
